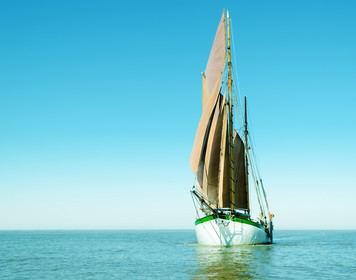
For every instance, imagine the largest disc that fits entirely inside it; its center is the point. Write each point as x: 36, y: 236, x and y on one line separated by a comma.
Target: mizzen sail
x: 241, y: 194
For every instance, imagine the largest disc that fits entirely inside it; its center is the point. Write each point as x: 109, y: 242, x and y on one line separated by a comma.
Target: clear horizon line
x: 162, y: 229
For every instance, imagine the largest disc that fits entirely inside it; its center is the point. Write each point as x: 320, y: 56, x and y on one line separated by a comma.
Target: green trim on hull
x: 227, y: 217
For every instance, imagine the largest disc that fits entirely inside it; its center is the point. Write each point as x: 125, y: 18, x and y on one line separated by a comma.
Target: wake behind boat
x: 222, y: 158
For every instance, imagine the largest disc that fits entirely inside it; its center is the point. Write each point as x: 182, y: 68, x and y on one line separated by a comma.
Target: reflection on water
x: 237, y: 262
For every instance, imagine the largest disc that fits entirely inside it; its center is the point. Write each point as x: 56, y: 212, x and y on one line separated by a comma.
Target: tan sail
x: 203, y: 131
x: 224, y: 187
x: 241, y: 195
x: 205, y: 90
x: 216, y: 62
x: 212, y: 156
x: 211, y: 88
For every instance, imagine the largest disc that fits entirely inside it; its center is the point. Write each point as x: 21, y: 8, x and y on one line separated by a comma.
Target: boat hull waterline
x: 226, y: 232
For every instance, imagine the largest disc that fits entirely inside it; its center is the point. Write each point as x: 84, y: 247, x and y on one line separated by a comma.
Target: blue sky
x: 99, y: 102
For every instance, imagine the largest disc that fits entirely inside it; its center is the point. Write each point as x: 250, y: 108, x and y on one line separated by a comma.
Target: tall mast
x: 246, y: 155
x: 231, y: 124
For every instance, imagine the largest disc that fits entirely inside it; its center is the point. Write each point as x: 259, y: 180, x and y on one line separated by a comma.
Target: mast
x: 231, y: 124
x: 246, y: 155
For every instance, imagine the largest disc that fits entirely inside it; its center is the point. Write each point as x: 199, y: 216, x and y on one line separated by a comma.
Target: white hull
x: 222, y: 232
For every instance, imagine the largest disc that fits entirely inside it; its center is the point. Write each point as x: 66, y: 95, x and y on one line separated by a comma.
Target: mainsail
x: 211, y: 88
x: 218, y: 157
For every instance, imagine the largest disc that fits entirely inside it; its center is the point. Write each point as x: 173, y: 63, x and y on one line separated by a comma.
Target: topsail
x: 215, y: 66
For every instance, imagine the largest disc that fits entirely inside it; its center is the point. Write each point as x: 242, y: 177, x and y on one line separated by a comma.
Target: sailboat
x: 222, y: 158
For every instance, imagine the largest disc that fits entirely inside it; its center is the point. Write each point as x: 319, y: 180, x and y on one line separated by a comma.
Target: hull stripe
x: 227, y: 217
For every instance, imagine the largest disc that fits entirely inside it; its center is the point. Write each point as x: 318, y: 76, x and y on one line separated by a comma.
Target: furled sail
x: 241, y: 189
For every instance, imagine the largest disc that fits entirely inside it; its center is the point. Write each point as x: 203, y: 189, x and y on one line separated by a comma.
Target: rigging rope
x: 254, y: 165
x: 235, y: 74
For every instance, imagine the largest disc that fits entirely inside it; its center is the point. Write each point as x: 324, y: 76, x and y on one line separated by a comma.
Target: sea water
x: 173, y: 255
